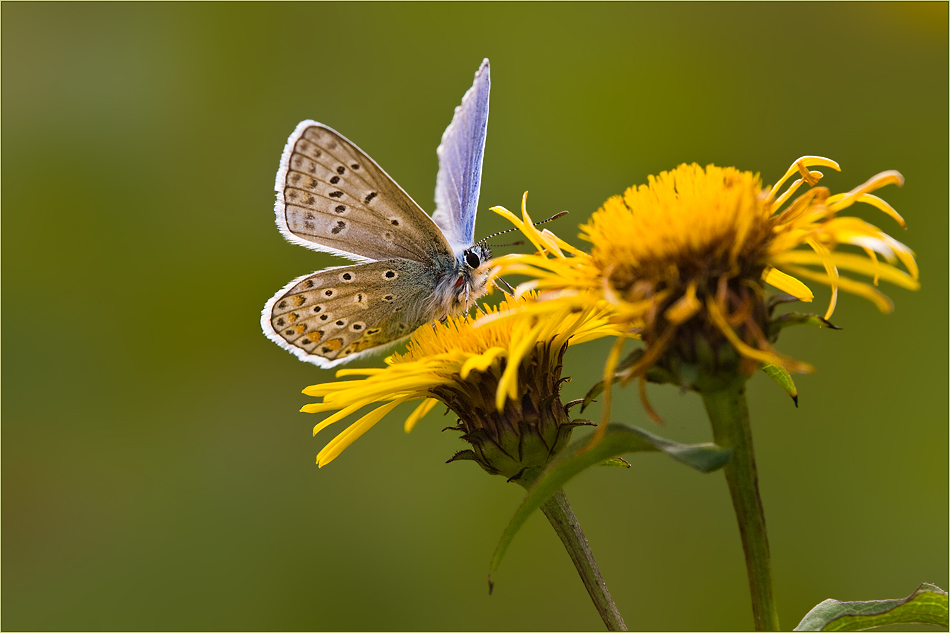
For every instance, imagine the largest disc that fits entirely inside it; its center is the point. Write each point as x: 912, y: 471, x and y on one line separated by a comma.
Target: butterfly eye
x: 472, y: 259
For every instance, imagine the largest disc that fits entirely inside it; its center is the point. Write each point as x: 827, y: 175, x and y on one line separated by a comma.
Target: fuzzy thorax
x: 456, y: 293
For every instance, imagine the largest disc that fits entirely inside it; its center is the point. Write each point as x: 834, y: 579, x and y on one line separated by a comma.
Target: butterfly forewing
x: 336, y: 314
x: 334, y: 198
x: 460, y: 164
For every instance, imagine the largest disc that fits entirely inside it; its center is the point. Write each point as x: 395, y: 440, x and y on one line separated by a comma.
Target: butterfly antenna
x: 553, y: 217
x: 485, y: 239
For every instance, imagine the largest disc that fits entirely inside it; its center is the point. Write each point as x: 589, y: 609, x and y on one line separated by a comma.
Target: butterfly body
x: 332, y: 197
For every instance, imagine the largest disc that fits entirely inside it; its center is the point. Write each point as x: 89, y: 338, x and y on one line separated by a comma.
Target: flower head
x: 684, y: 260
x: 501, y: 379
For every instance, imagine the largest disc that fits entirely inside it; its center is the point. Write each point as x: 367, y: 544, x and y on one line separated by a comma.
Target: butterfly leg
x: 510, y: 294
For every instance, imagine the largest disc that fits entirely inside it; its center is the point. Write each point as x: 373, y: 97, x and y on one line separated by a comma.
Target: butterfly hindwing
x: 334, y: 198
x: 336, y: 314
x: 460, y: 164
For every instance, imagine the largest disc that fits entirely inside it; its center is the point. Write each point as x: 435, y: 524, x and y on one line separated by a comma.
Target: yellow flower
x: 684, y: 260
x: 499, y: 379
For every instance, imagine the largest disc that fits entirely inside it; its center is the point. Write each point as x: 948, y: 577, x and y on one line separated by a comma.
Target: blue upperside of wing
x: 460, y: 164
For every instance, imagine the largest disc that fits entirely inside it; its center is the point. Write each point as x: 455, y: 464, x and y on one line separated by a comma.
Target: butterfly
x: 333, y: 198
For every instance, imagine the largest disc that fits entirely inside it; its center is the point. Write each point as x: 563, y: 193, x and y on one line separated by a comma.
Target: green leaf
x: 784, y: 380
x: 778, y: 299
x: 618, y: 439
x: 927, y: 605
x: 595, y: 391
x: 789, y: 319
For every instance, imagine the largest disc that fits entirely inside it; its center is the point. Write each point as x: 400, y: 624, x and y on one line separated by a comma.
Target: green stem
x: 729, y: 415
x: 559, y: 513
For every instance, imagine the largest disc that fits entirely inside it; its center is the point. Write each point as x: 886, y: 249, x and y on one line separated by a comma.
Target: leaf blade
x: 927, y: 605
x: 783, y: 379
x: 574, y: 459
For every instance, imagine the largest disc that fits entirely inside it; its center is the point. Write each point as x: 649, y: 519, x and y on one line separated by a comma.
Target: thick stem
x: 559, y: 513
x: 729, y: 415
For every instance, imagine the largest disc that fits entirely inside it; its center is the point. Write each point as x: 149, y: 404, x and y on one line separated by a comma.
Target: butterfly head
x: 476, y: 255
x: 472, y: 272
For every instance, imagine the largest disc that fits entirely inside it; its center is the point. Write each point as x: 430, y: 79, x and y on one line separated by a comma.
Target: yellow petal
x: 685, y: 307
x: 830, y: 270
x: 873, y: 201
x: 359, y: 372
x: 850, y: 261
x: 610, y: 367
x: 787, y: 283
x: 480, y: 362
x: 767, y: 357
x: 882, y: 179
x: 861, y: 289
x: 339, y: 415
x: 353, y: 433
x: 804, y: 161
x: 419, y: 413
x: 508, y: 384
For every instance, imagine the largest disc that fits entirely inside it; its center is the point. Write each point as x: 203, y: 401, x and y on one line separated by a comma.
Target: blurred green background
x: 156, y: 471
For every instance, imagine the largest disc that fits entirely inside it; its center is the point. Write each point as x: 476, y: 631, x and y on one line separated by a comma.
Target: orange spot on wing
x: 358, y: 346
x: 333, y: 345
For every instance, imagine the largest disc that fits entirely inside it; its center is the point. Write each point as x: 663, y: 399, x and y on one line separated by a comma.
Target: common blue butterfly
x: 332, y: 197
